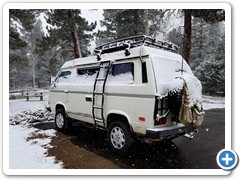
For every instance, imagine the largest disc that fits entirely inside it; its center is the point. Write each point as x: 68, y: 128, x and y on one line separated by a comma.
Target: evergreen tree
x: 20, y: 21
x: 208, y: 15
x: 33, y: 57
x: 175, y: 36
x: 210, y: 58
x: 69, y: 33
x: 121, y: 23
x: 199, y: 47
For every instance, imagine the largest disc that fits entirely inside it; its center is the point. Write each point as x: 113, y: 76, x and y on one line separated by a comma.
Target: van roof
x: 120, y: 55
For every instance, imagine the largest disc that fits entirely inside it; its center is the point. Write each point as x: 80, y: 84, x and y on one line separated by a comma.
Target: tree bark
x: 33, y: 72
x: 136, y: 21
x: 76, y: 44
x: 187, y: 35
x: 146, y: 28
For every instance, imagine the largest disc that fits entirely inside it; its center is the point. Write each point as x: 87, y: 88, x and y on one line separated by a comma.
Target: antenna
x: 182, y: 54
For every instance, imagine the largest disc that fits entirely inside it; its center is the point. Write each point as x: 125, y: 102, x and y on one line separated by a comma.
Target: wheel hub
x: 117, y: 137
x: 59, y: 120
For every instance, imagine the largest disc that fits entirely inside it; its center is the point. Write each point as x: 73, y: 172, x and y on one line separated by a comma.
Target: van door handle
x: 88, y: 98
x: 66, y: 91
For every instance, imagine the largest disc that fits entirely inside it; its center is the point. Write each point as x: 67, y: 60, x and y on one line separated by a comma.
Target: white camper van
x: 133, y: 87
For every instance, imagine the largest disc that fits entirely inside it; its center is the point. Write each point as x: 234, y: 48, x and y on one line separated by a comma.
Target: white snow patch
x: 210, y: 102
x: 19, y: 105
x: 31, y: 116
x: 207, y: 106
x: 30, y: 154
x: 168, y: 72
x: 125, y: 78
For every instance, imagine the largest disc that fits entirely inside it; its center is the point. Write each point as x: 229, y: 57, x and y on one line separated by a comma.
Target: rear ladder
x: 98, y: 93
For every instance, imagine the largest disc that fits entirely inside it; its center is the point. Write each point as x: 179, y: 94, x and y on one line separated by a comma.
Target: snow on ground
x: 210, y: 102
x: 29, y: 153
x: 28, y: 145
x: 18, y: 105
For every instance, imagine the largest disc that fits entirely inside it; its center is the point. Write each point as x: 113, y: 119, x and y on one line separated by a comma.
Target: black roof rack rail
x: 135, y: 41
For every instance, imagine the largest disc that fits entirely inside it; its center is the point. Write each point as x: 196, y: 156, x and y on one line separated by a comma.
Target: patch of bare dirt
x: 36, y: 135
x: 75, y: 157
x: 72, y: 155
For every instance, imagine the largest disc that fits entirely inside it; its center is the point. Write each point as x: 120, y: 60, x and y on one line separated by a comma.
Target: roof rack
x: 134, y: 41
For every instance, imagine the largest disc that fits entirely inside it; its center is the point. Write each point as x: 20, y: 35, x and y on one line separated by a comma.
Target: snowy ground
x: 28, y: 145
x: 210, y: 102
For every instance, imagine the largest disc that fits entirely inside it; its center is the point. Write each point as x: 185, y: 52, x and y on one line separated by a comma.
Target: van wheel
x: 61, y: 122
x: 119, y: 137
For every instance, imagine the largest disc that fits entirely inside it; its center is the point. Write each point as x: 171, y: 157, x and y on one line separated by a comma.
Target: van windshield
x: 167, y: 71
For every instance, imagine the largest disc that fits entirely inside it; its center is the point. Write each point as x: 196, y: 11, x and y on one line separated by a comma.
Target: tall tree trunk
x: 76, y: 44
x: 187, y: 35
x: 146, y: 28
x: 136, y: 21
x: 33, y: 72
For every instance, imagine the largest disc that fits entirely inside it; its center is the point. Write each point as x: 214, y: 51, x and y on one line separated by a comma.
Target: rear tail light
x: 160, y: 121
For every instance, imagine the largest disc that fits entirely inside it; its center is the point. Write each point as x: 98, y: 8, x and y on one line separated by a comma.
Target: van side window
x: 63, y: 76
x: 122, y: 73
x: 87, y: 72
x: 86, y: 75
x: 122, y: 69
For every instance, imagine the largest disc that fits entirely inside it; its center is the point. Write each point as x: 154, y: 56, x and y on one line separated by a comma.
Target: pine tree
x: 69, y: 32
x: 175, y: 36
x: 20, y: 21
x: 211, y: 68
x: 33, y: 57
x: 208, y: 15
x: 121, y: 23
x: 199, y: 42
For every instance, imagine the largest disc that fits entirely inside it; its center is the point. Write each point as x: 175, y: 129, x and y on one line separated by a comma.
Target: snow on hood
x: 169, y: 76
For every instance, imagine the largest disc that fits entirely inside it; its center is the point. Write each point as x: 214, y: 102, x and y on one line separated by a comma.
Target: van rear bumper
x: 166, y: 132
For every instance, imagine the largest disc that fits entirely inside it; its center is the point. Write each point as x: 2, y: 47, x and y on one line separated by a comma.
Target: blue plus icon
x: 227, y: 159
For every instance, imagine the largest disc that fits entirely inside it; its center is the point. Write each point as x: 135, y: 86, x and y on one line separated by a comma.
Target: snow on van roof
x: 135, y: 52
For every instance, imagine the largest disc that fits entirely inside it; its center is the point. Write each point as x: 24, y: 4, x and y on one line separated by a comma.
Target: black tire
x: 61, y: 120
x: 119, y: 137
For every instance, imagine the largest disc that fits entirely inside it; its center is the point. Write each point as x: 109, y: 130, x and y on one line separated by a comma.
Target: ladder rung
x: 99, y: 120
x: 100, y: 127
x: 98, y: 93
x: 97, y: 107
x: 100, y: 79
x: 107, y: 66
